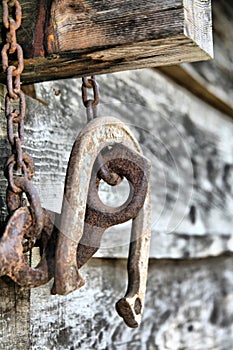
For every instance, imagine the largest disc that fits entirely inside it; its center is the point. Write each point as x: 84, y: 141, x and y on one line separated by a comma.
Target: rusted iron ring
x: 18, y: 14
x: 28, y: 169
x: 18, y: 116
x: 5, y: 60
x: 13, y: 92
x: 90, y: 84
x: 129, y: 164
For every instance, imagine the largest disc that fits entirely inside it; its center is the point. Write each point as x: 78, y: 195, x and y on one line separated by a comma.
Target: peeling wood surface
x: 189, y: 305
x: 64, y: 39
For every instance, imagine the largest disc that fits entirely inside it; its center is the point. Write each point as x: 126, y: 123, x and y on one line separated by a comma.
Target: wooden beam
x: 212, y: 81
x: 64, y: 38
x: 186, y: 76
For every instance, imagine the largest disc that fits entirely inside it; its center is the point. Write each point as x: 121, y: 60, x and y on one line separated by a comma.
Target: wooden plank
x: 218, y: 73
x: 188, y: 304
x: 187, y: 76
x: 212, y: 81
x: 94, y: 37
x: 14, y: 316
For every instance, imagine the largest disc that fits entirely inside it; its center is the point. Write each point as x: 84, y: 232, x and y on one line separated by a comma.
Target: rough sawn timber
x: 64, y: 38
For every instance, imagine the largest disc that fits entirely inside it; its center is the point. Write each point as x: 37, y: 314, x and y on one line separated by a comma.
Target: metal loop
x: 11, y: 37
x: 90, y: 84
x: 91, y: 110
x: 5, y: 14
x: 23, y: 185
x: 21, y: 130
x: 105, y: 174
x: 110, y: 178
x: 28, y: 169
x: 18, y: 115
x: 22, y: 107
x: 5, y: 59
x: 18, y: 13
x: 19, y: 155
x: 13, y: 91
x: 87, y: 82
x: 10, y: 130
x: 4, y: 55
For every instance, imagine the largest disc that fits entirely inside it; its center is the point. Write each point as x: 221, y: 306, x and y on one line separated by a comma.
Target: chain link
x: 14, y: 93
x: 91, y: 105
x: 19, y: 168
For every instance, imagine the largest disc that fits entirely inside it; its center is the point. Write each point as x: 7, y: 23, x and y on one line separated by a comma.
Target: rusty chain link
x: 19, y: 165
x: 91, y: 105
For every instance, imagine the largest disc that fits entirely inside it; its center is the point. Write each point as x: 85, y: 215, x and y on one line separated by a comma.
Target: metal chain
x: 18, y: 161
x: 91, y: 105
x: 19, y: 165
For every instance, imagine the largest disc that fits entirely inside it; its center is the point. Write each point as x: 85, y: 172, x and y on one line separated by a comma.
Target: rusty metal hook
x: 136, y: 169
x: 131, y: 306
x: 93, y: 138
x: 99, y: 217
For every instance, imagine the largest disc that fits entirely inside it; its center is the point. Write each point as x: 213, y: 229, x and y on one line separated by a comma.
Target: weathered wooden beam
x: 212, y: 81
x: 186, y: 76
x: 64, y: 38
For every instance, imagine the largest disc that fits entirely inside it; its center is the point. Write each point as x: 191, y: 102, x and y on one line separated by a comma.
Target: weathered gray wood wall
x: 189, y: 303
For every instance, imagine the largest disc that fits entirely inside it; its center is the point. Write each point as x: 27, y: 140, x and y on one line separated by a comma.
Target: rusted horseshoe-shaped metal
x: 93, y: 138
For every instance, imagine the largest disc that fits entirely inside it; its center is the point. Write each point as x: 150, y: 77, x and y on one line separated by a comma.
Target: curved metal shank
x: 131, y: 306
x: 98, y: 133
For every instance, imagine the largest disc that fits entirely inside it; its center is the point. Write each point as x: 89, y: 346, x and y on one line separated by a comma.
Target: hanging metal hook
x: 93, y: 138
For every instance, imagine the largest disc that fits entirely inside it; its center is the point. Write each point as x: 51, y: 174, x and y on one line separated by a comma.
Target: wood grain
x: 94, y: 37
x: 187, y: 76
x: 188, y: 304
x: 218, y: 73
x: 212, y: 81
x: 14, y: 316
